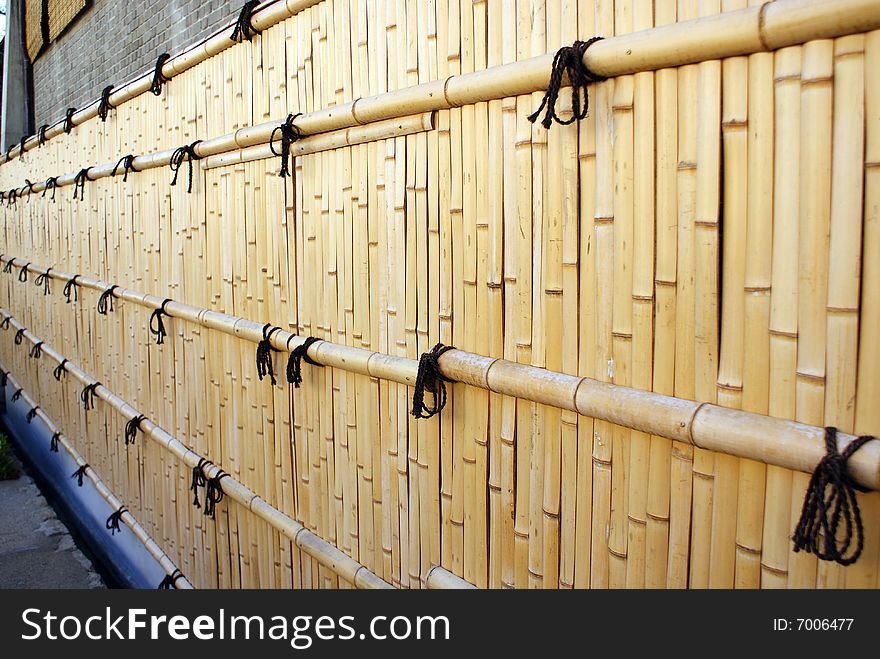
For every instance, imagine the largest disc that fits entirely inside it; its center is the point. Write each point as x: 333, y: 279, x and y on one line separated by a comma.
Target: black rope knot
x: 294, y: 363
x: 106, y: 296
x: 185, y: 153
x: 159, y: 78
x: 127, y: 163
x: 70, y: 289
x: 43, y: 279
x: 830, y: 499
x: 289, y: 134
x: 264, y: 353
x: 21, y: 146
x: 430, y: 379
x: 23, y: 273
x: 131, y: 428
x: 87, y: 396
x: 31, y: 414
x: 51, y: 183
x: 114, y: 519
x: 68, y: 120
x: 17, y: 394
x: 4, y: 324
x: 213, y: 493
x: 60, y: 370
x: 198, y: 479
x: 244, y: 28
x: 12, y: 197
x: 79, y: 183
x: 79, y: 473
x: 19, y: 335
x: 104, y: 106
x: 53, y: 442
x: 170, y: 580
x: 29, y: 188
x: 569, y: 60
x: 37, y: 350
x: 8, y: 266
x: 159, y: 329
x: 41, y: 134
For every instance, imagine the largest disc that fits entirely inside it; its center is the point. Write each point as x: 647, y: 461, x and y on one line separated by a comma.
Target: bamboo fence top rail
x: 180, y: 580
x: 774, y: 441
x: 264, y: 16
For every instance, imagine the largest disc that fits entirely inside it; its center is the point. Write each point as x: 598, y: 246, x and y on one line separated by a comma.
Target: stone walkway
x: 36, y: 549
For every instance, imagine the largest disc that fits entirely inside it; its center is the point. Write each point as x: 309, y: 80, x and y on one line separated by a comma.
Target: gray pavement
x: 36, y: 549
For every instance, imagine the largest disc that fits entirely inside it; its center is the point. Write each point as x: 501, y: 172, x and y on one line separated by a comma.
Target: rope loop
x: 70, y: 289
x: 131, y: 428
x: 37, y: 350
x: 213, y: 493
x: 568, y: 60
x: 104, y: 106
x: 29, y: 188
x: 79, y: 183
x: 264, y: 353
x: 170, y: 580
x: 159, y: 329
x: 23, y: 273
x: 21, y: 146
x: 289, y: 134
x: 79, y: 473
x: 106, y: 296
x: 31, y: 414
x: 185, y: 153
x: 198, y: 479
x: 41, y: 135
x: 43, y: 279
x: 51, y: 182
x: 12, y: 197
x: 294, y: 363
x: 53, y: 442
x: 4, y: 324
x: 60, y: 370
x: 17, y: 394
x: 8, y: 266
x: 244, y: 28
x: 430, y: 379
x: 831, y: 499
x: 87, y: 395
x: 68, y: 120
x: 159, y: 78
x: 19, y: 335
x: 127, y: 163
x: 114, y: 519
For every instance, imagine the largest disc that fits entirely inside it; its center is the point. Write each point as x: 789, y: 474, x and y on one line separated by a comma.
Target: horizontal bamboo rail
x: 324, y: 552
x: 180, y: 582
x: 774, y: 441
x: 264, y: 16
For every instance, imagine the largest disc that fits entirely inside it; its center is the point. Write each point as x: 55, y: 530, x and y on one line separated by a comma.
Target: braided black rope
x: 78, y: 475
x: 19, y: 335
x: 430, y: 379
x: 107, y: 296
x: 289, y: 134
x: 131, y: 428
x: 43, y: 279
x: 569, y: 60
x: 159, y: 329
x: 31, y: 414
x: 264, y: 353
x: 70, y: 289
x: 213, y: 493
x: 53, y: 442
x: 159, y: 78
x: 104, y: 106
x: 79, y: 183
x: 87, y: 396
x: 23, y: 273
x: 51, y: 183
x: 244, y: 28
x: 41, y: 135
x: 127, y: 163
x: 8, y: 266
x: 60, y: 370
x: 114, y: 519
x: 185, y: 153
x: 198, y: 479
x: 37, y: 350
x: 12, y: 197
x: 170, y: 580
x: 68, y: 120
x: 29, y: 188
x: 830, y: 500
x: 17, y: 394
x: 294, y: 362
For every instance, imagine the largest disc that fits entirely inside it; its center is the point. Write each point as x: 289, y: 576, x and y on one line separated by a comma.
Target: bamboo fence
x: 656, y: 309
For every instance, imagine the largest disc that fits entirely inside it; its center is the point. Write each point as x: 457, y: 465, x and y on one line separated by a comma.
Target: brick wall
x: 114, y: 40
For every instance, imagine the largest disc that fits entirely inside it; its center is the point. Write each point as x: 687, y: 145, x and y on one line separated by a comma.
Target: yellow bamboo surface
x: 709, y: 232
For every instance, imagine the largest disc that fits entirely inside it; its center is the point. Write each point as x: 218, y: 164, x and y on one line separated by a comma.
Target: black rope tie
x: 23, y: 273
x: 43, y: 280
x: 4, y: 378
x: 68, y: 120
x: 183, y: 154
x: 8, y: 266
x: 104, y: 106
x: 51, y: 183
x: 127, y: 163
x: 21, y: 146
x: 114, y: 519
x: 213, y: 493
x: 41, y: 135
x: 430, y: 379
x: 106, y: 296
x: 289, y: 134
x: 198, y: 479
x: 70, y: 289
x: 131, y: 428
x: 159, y: 78
x: 169, y: 582
x: 53, y: 442
x: 29, y: 188
x: 157, y: 329
x: 294, y: 363
x: 87, y: 396
x: 244, y: 28
x: 79, y: 183
x: 4, y: 324
x: 37, y: 350
x: 569, y: 60
x: 12, y: 197
x: 78, y: 475
x: 264, y: 353
x: 60, y: 370
x: 17, y: 394
x: 19, y: 335
x: 830, y: 499
x: 31, y: 414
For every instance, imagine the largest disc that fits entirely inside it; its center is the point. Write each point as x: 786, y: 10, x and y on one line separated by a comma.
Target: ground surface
x: 36, y: 549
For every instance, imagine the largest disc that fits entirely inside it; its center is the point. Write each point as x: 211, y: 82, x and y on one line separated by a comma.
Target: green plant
x: 8, y: 466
